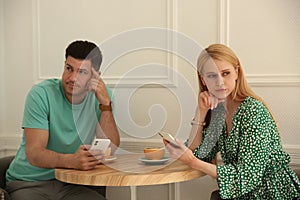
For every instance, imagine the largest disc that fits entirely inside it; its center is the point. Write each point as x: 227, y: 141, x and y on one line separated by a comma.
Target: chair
x: 4, y: 164
x: 215, y: 195
x: 296, y: 169
x: 298, y: 172
x: 100, y: 189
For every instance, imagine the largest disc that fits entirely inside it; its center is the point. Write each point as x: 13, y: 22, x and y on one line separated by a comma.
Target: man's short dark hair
x: 85, y: 50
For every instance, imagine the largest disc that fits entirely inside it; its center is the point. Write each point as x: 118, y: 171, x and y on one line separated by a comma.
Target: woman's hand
x: 181, y: 152
x: 186, y: 156
x: 207, y: 101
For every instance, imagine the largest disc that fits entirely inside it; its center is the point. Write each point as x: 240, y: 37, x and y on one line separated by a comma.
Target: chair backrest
x: 297, y: 170
x: 4, y: 164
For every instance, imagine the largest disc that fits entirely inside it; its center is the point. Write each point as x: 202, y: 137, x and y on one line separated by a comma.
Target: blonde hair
x: 223, y: 53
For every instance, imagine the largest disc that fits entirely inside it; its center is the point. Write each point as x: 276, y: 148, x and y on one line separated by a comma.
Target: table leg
x: 174, y: 191
x: 133, y: 194
x: 177, y: 191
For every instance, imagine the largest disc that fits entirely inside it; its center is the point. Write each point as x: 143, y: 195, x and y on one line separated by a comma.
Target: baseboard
x: 294, y: 152
x: 10, y: 144
x: 10, y: 140
x: 137, y: 145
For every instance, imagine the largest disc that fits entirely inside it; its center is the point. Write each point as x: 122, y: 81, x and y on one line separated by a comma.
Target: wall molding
x: 2, y: 63
x: 274, y: 80
x: 36, y: 42
x: 168, y: 80
x: 256, y: 80
x: 10, y: 143
x: 137, y: 145
x: 223, y: 23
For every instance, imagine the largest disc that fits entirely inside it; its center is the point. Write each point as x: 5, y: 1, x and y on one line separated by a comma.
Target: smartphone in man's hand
x: 100, y: 144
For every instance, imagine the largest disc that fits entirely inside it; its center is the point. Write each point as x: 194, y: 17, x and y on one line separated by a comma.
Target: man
x: 60, y: 118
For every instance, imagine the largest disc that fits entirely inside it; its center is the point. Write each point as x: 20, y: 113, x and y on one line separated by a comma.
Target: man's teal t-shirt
x: 69, y: 126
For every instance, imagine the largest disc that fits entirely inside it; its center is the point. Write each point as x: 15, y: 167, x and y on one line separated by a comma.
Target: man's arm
x: 108, y: 129
x: 38, y: 155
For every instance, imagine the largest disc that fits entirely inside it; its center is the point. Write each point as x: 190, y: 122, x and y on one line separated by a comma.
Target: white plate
x: 154, y: 162
x: 110, y: 158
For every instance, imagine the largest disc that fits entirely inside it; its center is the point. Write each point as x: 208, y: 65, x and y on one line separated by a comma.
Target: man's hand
x: 85, y: 159
x: 38, y: 155
x: 97, y: 86
x: 107, y: 127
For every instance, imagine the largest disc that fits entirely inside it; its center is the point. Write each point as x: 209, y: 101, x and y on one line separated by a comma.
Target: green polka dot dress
x: 255, y: 165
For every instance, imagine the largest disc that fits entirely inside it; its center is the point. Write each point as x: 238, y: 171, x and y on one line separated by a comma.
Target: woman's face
x: 219, y: 77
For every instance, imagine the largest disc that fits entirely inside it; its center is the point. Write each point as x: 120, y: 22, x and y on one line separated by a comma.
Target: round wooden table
x: 128, y: 170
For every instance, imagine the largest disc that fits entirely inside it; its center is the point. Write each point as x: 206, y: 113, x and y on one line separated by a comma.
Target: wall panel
x: 264, y: 33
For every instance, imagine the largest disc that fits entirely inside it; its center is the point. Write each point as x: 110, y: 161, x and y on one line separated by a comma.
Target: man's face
x: 75, y: 78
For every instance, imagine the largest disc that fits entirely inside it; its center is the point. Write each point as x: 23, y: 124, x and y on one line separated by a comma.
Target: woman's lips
x: 220, y: 90
x: 220, y: 93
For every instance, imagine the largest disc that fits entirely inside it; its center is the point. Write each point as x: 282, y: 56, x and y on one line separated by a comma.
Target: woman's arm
x: 205, y: 102
x: 195, y: 136
x: 186, y: 156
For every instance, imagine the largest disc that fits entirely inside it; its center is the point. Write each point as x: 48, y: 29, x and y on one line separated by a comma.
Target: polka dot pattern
x: 255, y: 165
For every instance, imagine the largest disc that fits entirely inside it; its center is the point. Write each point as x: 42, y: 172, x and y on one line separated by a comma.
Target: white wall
x: 264, y: 33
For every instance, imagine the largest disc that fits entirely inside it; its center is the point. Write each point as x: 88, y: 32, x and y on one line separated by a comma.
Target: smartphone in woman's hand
x: 169, y: 139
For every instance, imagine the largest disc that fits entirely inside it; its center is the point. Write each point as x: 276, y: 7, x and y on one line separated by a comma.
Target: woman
x: 233, y: 120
